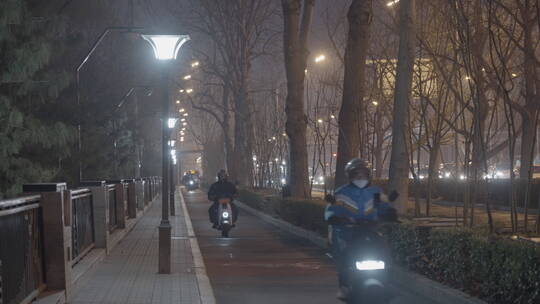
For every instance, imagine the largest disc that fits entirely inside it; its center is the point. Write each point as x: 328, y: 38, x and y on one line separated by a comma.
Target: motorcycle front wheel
x: 225, y: 231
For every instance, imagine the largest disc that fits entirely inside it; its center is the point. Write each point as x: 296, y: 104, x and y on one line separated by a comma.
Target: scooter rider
x: 220, y: 189
x: 357, y: 200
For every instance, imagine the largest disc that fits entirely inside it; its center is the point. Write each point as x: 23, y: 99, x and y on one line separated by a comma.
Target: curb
x: 418, y: 284
x: 206, y: 292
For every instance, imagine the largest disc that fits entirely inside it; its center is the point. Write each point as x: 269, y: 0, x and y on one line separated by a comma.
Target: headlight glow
x: 369, y: 265
x: 191, y: 182
x: 225, y: 214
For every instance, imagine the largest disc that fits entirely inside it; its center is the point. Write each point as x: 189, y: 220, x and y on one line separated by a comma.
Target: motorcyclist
x: 357, y: 200
x: 221, y: 189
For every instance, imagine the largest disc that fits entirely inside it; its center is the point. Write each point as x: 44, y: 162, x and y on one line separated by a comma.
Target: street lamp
x: 165, y: 48
x: 320, y: 58
x: 171, y: 123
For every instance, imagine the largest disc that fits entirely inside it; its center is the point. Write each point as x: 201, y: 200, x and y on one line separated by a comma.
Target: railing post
x: 132, y: 198
x: 100, y: 204
x: 121, y: 202
x: 139, y: 185
x: 56, y: 235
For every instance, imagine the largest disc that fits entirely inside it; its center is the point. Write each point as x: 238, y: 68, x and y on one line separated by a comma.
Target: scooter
x: 364, y: 258
x: 192, y: 185
x: 225, y: 216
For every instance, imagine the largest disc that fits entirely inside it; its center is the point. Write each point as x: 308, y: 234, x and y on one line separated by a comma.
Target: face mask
x: 360, y: 183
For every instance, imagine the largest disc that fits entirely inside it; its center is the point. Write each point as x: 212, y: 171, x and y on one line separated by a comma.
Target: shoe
x: 343, y: 293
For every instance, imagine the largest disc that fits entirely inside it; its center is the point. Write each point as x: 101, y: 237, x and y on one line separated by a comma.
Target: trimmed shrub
x: 495, y: 269
x: 452, y: 191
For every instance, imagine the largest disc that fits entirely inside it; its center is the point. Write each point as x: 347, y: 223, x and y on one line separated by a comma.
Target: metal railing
x: 21, y: 249
x: 82, y: 225
x: 113, y: 216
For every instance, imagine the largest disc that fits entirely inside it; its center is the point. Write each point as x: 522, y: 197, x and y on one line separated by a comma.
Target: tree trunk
x: 295, y: 50
x: 242, y: 149
x: 432, y: 172
x: 399, y: 159
x: 351, y: 114
x: 227, y: 141
x: 529, y: 119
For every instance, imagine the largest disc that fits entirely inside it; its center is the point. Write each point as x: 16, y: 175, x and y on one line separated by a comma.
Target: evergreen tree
x: 34, y: 139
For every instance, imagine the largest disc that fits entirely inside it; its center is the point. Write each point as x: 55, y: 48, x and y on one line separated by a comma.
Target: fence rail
x: 21, y: 249
x: 113, y: 216
x: 82, y: 226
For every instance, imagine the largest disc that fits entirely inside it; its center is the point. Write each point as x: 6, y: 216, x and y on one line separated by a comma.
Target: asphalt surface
x: 261, y: 264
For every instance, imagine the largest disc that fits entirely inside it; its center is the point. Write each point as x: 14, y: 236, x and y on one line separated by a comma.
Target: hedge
x: 497, y: 270
x: 497, y: 189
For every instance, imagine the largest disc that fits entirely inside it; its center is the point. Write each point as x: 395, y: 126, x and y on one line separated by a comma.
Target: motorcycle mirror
x: 393, y: 196
x: 330, y: 198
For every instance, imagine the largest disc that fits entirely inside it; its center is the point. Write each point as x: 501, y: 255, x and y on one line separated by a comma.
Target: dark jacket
x: 220, y: 189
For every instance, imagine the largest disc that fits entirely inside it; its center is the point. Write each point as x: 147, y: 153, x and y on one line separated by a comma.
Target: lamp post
x: 165, y: 48
x: 172, y: 162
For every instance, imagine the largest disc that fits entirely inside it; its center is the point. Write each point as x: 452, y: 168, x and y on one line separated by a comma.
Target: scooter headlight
x: 225, y: 214
x: 369, y: 265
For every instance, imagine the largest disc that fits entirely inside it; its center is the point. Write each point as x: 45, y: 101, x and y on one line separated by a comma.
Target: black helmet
x: 354, y: 166
x: 222, y: 174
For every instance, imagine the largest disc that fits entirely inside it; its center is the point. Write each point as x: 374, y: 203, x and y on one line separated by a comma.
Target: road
x: 262, y: 264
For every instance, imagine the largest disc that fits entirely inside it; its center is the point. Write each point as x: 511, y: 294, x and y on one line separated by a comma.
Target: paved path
x: 262, y: 264
x: 129, y: 273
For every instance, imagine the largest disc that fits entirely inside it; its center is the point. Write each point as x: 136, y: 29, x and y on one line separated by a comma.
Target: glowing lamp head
x: 171, y: 122
x: 166, y: 47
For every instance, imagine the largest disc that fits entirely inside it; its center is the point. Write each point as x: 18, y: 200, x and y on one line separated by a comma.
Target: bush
x: 498, y: 190
x: 495, y: 269
x: 305, y: 213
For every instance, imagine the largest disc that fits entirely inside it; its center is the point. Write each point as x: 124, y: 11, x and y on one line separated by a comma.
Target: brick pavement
x: 129, y: 273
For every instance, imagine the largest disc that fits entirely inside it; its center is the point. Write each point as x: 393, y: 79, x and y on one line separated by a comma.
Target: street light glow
x: 189, y: 91
x: 185, y: 114
x: 171, y: 122
x: 183, y: 119
x: 392, y: 3
x: 194, y: 64
x: 182, y: 138
x: 375, y: 103
x: 184, y: 124
x: 166, y: 47
x: 178, y: 101
x: 187, y: 77
x: 182, y: 110
x: 181, y: 90
x: 320, y: 58
x: 320, y: 120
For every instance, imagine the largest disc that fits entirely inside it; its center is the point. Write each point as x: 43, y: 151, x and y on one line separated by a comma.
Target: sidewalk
x: 129, y: 273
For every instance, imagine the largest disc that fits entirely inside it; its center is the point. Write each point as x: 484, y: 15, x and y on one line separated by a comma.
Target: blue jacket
x: 356, y: 203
